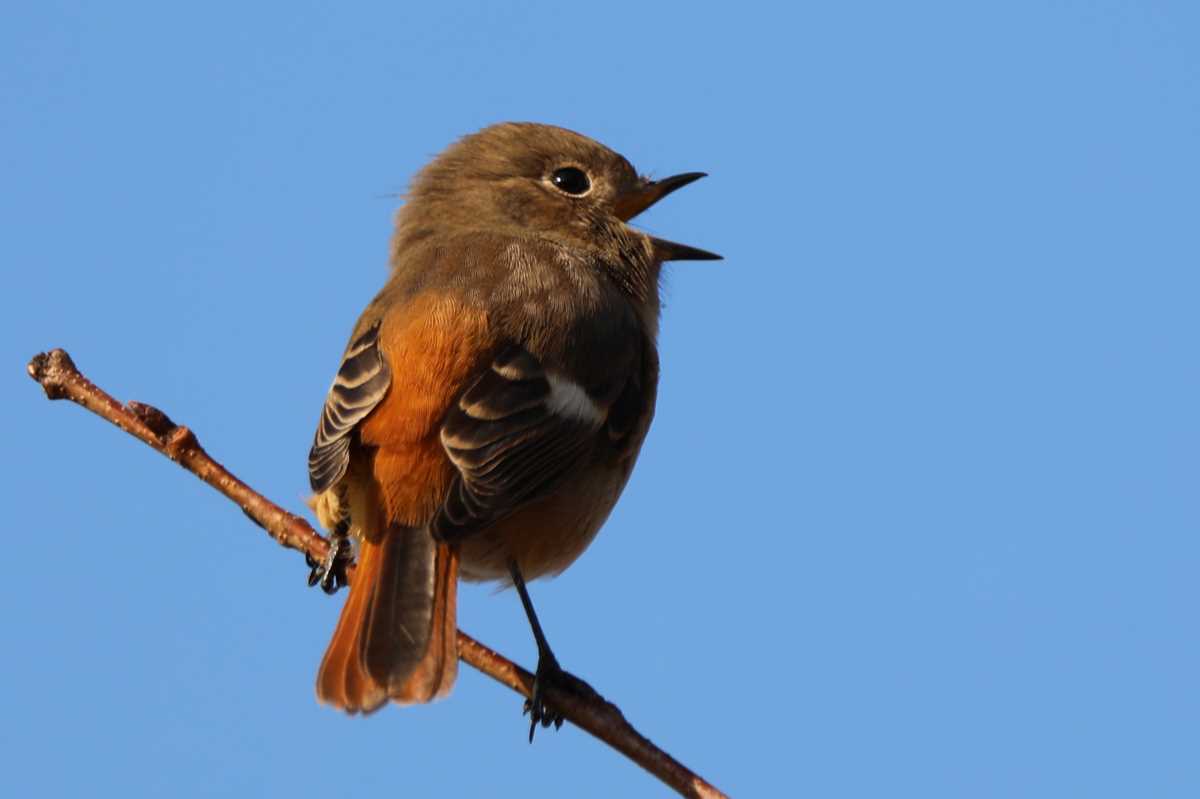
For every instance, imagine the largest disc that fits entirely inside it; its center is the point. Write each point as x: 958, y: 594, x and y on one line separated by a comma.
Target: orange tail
x: 396, y: 638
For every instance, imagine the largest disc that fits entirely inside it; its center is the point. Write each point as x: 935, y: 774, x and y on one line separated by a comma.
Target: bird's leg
x: 330, y: 571
x: 548, y: 670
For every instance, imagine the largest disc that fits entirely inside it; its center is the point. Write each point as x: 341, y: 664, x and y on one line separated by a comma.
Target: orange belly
x: 433, y: 348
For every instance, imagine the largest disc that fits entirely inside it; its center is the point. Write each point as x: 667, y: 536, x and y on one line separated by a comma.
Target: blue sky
x: 918, y: 515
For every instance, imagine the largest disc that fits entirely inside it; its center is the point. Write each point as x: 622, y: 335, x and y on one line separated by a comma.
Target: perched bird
x: 492, y: 400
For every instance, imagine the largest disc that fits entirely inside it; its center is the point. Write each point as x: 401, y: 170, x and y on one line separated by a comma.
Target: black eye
x: 571, y: 180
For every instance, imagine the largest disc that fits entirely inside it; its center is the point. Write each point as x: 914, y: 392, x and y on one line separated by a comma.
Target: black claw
x: 330, y: 572
x: 549, y: 673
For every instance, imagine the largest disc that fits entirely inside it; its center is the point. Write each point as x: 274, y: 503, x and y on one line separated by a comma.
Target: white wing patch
x: 568, y: 398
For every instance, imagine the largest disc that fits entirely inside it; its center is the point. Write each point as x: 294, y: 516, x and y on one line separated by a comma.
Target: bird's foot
x: 550, y: 673
x: 330, y: 571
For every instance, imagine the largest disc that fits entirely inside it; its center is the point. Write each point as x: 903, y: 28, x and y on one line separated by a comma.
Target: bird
x: 491, y: 403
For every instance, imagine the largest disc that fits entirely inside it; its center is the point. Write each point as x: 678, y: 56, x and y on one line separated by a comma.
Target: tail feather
x: 342, y: 681
x: 396, y: 638
x: 434, y: 675
x: 397, y: 628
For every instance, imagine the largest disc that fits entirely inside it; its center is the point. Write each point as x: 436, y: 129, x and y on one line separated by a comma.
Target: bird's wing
x: 361, y: 382
x: 514, y: 435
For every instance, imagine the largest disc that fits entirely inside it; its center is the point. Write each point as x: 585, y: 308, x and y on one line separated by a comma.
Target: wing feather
x: 361, y: 382
x: 510, y: 442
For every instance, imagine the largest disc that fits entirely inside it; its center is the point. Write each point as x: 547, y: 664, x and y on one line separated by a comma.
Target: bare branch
x: 57, y: 374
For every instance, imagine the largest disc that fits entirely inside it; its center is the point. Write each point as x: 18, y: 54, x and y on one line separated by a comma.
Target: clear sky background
x: 919, y: 512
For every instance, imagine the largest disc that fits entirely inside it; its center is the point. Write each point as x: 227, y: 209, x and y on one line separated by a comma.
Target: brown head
x: 530, y: 178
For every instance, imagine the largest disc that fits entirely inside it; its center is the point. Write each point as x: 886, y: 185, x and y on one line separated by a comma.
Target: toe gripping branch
x: 330, y: 571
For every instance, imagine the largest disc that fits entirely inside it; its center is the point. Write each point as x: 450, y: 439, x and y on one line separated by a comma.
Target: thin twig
x: 58, y: 375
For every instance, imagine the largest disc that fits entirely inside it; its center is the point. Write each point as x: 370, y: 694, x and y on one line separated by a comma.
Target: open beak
x: 630, y: 205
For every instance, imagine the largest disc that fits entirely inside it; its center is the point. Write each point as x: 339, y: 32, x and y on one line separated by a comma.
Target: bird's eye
x: 571, y: 180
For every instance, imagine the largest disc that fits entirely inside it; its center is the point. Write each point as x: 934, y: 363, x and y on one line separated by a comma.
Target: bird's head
x: 540, y: 178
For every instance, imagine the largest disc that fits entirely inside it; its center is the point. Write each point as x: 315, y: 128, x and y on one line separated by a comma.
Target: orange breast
x: 433, y: 346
